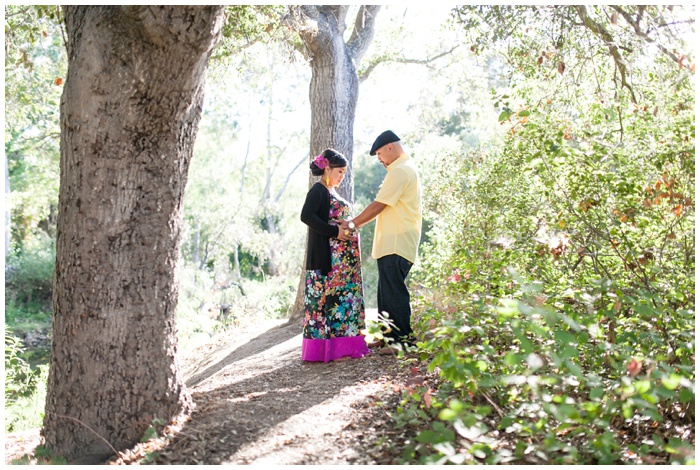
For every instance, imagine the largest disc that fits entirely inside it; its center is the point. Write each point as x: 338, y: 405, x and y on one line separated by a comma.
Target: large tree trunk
x: 129, y: 115
x: 334, y: 87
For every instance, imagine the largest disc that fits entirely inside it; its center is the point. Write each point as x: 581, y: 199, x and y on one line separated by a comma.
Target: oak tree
x: 129, y: 114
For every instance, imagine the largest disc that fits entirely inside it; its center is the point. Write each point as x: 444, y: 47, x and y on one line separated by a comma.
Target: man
x: 397, y: 208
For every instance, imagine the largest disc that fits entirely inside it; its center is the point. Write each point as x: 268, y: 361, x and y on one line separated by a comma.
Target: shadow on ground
x: 259, y: 403
x: 274, y: 336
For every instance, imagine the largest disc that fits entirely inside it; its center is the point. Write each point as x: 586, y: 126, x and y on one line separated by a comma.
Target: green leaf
x: 653, y: 414
x: 672, y: 381
x: 504, y: 115
x: 687, y: 396
x: 513, y: 359
x: 568, y: 352
x: 664, y: 392
x: 525, y: 344
x: 448, y: 414
x: 596, y: 393
x: 642, y: 386
x: 645, y: 310
x: 427, y: 437
x: 574, y: 368
x: 564, y: 337
x: 627, y: 410
x: 150, y: 433
x: 535, y: 163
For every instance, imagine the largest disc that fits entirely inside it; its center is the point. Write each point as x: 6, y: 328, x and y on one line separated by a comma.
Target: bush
x: 207, y: 305
x: 24, y: 387
x: 565, y: 332
x: 20, y: 379
x: 27, y: 412
x: 29, y: 276
x: 522, y: 370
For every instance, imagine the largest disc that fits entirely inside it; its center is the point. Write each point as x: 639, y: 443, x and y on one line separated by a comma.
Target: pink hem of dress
x: 326, y: 350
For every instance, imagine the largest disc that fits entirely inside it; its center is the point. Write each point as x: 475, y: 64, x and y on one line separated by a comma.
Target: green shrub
x: 206, y: 306
x: 551, y: 376
x: 20, y: 379
x: 25, y: 388
x: 565, y: 320
x: 29, y: 276
x: 27, y: 412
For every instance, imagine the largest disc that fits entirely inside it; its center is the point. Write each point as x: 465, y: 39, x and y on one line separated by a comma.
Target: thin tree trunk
x: 8, y: 210
x: 196, y: 243
x: 129, y: 114
x: 334, y: 89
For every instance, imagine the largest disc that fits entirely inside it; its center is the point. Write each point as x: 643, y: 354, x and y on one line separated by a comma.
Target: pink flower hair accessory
x: 321, y: 161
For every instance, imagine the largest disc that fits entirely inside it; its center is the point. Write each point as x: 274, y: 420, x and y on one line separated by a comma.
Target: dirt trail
x: 256, y: 402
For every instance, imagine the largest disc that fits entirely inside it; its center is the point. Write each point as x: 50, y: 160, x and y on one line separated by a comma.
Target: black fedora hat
x: 384, y: 138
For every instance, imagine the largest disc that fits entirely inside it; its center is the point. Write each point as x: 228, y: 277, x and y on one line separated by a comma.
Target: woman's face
x: 336, y: 176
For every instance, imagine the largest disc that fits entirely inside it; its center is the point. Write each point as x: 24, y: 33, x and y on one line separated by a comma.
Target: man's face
x: 384, y: 154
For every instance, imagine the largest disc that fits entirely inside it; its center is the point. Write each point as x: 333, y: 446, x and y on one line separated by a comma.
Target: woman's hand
x: 344, y: 234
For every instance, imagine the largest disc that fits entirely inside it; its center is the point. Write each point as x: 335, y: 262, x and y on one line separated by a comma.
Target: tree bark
x: 129, y: 115
x: 334, y: 87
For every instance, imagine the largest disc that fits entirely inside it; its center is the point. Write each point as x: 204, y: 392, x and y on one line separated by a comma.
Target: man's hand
x: 369, y: 214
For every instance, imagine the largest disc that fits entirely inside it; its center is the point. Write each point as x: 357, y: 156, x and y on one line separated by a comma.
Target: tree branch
x: 364, y: 74
x: 363, y: 31
x: 289, y: 175
x: 602, y: 33
x: 307, y: 21
x: 21, y: 11
x: 339, y: 12
x: 638, y: 31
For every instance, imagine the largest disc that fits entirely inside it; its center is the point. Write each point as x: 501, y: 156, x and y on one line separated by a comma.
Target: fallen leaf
x: 418, y: 380
x: 427, y: 398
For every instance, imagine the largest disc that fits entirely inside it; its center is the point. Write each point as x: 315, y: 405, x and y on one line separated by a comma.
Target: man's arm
x: 366, y: 216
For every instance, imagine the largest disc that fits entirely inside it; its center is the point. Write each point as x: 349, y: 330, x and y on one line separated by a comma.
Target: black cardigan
x: 315, y: 214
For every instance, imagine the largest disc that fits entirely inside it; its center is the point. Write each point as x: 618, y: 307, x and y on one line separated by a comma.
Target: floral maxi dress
x: 334, y: 304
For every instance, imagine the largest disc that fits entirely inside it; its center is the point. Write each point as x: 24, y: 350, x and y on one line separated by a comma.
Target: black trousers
x: 393, y: 299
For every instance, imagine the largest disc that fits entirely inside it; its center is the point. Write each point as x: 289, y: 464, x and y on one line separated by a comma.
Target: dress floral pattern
x: 334, y: 304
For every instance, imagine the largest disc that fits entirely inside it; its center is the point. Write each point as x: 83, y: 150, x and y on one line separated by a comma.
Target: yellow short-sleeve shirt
x: 398, y: 226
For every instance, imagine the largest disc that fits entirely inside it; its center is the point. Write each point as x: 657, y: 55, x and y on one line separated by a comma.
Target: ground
x: 256, y: 402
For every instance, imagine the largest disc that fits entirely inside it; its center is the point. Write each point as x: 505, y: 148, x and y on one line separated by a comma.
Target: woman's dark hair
x: 335, y: 160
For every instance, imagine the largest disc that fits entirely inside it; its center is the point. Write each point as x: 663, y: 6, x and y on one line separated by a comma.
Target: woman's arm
x: 309, y: 214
